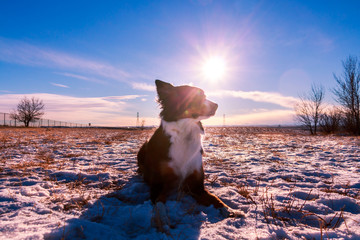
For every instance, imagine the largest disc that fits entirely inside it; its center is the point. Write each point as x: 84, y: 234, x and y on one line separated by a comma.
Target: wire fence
x: 6, y: 120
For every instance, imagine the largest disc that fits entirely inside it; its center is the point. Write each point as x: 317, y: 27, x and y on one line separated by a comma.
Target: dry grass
x: 288, y: 210
x: 53, y: 150
x: 47, y: 151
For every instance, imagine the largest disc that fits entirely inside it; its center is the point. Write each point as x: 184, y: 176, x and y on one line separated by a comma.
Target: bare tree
x: 28, y: 110
x: 347, y: 93
x: 331, y: 120
x: 309, y: 108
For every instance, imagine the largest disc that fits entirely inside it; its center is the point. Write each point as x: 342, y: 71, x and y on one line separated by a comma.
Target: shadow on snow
x: 127, y: 214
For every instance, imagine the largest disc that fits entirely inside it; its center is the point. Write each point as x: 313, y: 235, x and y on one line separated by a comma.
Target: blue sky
x: 93, y: 61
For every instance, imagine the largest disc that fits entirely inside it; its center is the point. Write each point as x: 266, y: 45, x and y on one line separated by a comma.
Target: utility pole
x: 137, y: 120
x: 224, y: 120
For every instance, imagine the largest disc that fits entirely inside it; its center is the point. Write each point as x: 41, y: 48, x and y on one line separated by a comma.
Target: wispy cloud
x: 23, y: 53
x: 143, y: 86
x: 268, y: 117
x: 5, y: 91
x: 109, y: 110
x: 121, y: 98
x: 59, y: 85
x: 81, y: 77
x: 311, y: 36
x: 119, y: 111
x: 257, y: 96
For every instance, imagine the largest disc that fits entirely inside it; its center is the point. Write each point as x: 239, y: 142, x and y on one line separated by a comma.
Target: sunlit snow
x: 82, y: 184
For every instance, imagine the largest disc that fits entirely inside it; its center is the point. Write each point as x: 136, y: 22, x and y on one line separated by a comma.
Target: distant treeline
x: 312, y: 113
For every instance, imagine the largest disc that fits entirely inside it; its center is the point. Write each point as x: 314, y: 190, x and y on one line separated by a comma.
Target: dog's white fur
x: 185, y: 152
x: 185, y: 149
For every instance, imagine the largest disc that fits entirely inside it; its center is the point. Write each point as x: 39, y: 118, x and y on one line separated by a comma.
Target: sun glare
x: 214, y: 68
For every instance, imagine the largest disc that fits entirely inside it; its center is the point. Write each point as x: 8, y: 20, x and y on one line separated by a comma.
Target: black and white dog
x: 172, y: 159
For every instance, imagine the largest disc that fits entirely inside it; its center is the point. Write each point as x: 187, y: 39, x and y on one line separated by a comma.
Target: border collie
x: 172, y: 159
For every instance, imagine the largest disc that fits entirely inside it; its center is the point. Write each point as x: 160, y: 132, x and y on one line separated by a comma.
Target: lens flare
x: 214, y: 68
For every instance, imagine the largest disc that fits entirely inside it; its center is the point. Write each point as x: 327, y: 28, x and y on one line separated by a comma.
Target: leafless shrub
x: 331, y: 120
x: 309, y: 109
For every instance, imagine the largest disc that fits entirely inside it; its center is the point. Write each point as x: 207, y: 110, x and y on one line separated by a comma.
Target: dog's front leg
x: 232, y: 213
x: 160, y: 219
x: 206, y: 198
x: 194, y: 184
x: 159, y: 193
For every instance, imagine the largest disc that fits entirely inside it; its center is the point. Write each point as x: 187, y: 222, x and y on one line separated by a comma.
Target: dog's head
x: 183, y: 102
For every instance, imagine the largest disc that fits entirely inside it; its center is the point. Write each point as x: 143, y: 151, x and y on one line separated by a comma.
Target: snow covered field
x: 82, y: 184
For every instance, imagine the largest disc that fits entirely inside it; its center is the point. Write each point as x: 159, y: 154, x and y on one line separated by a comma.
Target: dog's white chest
x: 185, y: 149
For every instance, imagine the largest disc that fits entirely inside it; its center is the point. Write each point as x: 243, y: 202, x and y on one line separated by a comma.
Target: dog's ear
x: 163, y: 88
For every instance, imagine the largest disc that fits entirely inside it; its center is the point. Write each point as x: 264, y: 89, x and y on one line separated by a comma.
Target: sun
x: 214, y: 68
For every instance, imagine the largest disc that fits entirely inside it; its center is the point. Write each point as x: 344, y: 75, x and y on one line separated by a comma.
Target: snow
x: 82, y: 184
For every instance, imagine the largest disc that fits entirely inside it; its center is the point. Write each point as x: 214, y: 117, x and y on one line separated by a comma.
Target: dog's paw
x: 231, y: 213
x: 160, y: 219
